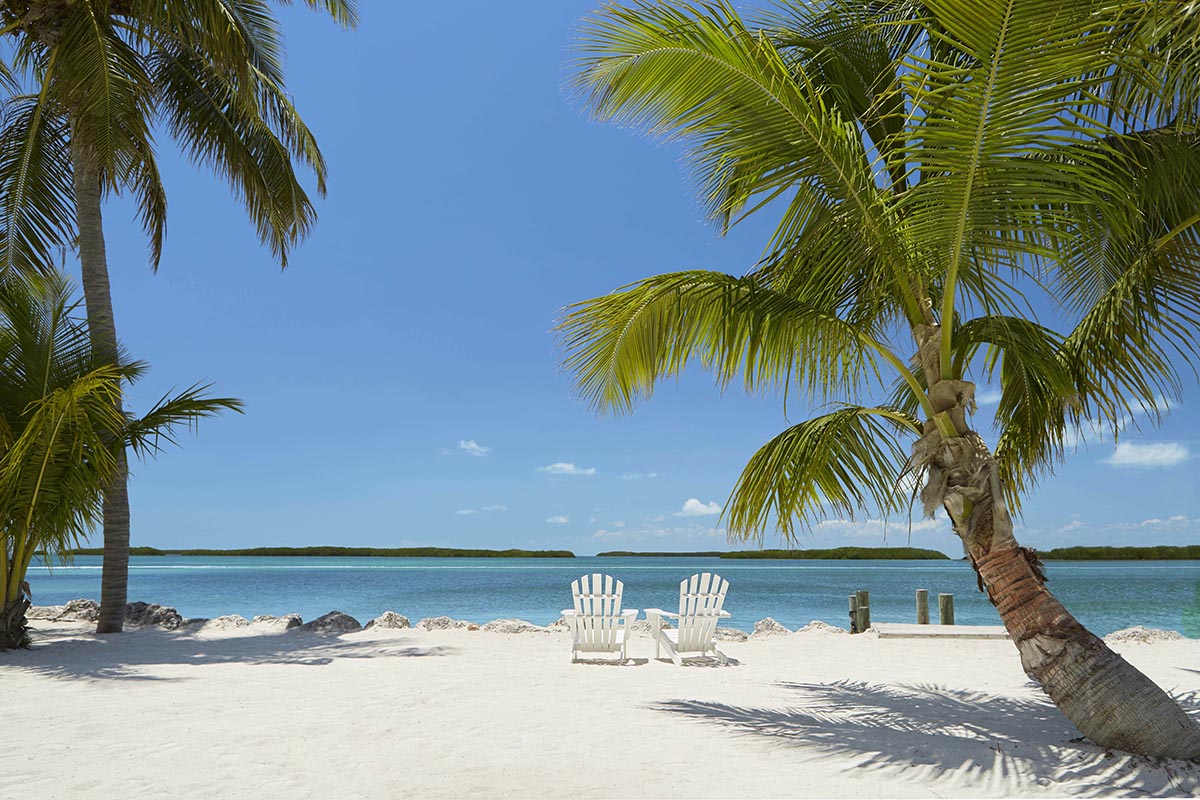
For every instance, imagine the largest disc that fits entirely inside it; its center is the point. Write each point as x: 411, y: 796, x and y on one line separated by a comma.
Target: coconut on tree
x: 89, y: 83
x: 940, y: 170
x: 61, y: 434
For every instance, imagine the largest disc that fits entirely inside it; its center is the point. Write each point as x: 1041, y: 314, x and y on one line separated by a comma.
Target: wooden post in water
x: 864, y: 610
x: 854, y: 613
x: 922, y: 606
x: 946, y: 608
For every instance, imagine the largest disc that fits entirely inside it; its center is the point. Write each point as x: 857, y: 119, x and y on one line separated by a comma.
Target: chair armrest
x: 568, y: 612
x: 724, y: 614
x: 629, y: 612
x: 658, y: 612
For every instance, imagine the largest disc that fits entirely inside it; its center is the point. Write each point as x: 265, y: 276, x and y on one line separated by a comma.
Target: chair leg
x: 721, y: 657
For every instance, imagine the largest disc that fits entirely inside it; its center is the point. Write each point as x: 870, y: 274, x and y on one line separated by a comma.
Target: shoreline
x: 254, y: 712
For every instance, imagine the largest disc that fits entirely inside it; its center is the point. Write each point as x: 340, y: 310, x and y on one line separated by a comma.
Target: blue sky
x: 400, y: 378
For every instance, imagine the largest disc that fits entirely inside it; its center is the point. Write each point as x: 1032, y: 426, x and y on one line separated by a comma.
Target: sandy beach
x: 400, y: 713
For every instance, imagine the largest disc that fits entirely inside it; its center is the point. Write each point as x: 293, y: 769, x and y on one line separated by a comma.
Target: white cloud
x: 693, y: 532
x: 1097, y: 430
x: 560, y: 519
x: 485, y: 510
x: 618, y: 524
x: 1156, y: 455
x: 878, y: 527
x: 473, y: 447
x: 566, y: 468
x: 1177, y: 522
x: 988, y: 397
x: 694, y: 508
x: 637, y: 476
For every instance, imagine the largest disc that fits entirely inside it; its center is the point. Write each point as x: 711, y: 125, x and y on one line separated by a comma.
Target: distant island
x: 1155, y: 553
x: 1164, y: 552
x: 694, y: 554
x: 836, y: 553
x: 377, y: 552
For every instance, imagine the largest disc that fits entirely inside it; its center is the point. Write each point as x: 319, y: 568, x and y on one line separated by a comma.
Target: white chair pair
x: 599, y: 625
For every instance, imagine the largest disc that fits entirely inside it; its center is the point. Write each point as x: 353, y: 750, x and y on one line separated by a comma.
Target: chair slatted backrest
x: 597, y: 612
x: 701, y: 598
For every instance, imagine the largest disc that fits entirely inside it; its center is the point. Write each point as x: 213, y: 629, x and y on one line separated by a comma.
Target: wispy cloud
x: 683, y: 533
x: 1156, y: 455
x: 878, y: 527
x: 560, y: 519
x: 566, y: 468
x: 637, y: 476
x: 1178, y: 522
x: 988, y: 397
x: 1097, y: 431
x: 473, y: 447
x: 694, y: 508
x: 484, y: 510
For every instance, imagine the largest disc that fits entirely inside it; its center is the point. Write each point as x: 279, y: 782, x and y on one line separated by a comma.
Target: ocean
x: 1105, y: 596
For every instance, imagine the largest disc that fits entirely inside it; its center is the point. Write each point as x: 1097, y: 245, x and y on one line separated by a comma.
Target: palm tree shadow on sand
x: 938, y: 735
x: 125, y: 657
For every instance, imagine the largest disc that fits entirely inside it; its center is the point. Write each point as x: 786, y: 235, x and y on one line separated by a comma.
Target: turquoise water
x: 1106, y: 596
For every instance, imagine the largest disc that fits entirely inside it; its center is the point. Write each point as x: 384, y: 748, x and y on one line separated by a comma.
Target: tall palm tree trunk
x: 1109, y: 700
x: 103, y: 330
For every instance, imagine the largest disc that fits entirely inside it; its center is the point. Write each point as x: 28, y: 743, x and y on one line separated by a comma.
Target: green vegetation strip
x: 843, y: 553
x: 387, y: 552
x: 1189, y: 552
x: 696, y: 554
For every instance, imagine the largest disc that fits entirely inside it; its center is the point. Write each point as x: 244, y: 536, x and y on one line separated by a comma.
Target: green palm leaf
x: 841, y: 462
x: 619, y: 345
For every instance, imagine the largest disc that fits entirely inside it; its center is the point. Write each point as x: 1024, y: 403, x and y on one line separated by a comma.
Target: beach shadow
x: 76, y: 656
x: 703, y: 662
x: 608, y: 662
x: 933, y: 734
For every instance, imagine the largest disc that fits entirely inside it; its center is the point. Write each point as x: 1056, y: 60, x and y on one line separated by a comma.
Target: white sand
x: 401, y: 713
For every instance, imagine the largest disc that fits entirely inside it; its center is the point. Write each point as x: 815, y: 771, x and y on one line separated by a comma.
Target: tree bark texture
x: 13, y: 625
x: 103, y: 331
x: 1103, y: 695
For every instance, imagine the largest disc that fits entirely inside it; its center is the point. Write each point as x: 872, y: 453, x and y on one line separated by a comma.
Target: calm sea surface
x: 1105, y: 596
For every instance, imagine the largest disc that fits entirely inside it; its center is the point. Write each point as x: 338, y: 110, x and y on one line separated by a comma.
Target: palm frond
x: 37, y: 198
x: 101, y: 79
x: 843, y: 462
x: 755, y: 124
x: 160, y: 426
x: 619, y: 345
x: 202, y: 112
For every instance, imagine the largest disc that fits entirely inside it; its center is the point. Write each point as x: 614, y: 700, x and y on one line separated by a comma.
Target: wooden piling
x: 946, y: 608
x: 864, y: 610
x: 922, y: 606
x: 854, y: 613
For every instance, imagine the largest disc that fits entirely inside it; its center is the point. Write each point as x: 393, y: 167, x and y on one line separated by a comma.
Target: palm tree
x: 89, y: 82
x: 938, y: 167
x: 58, y: 416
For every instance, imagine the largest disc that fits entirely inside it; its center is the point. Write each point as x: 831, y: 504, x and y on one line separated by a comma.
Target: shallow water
x: 1106, y: 596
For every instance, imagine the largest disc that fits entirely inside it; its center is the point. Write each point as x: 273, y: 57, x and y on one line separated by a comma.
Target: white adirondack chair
x: 598, y: 623
x: 701, y: 598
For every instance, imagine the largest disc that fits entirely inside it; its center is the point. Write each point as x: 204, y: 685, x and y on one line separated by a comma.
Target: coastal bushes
x: 327, y: 551
x: 847, y: 553
x: 1189, y: 552
x: 62, y: 432
x: 835, y: 553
